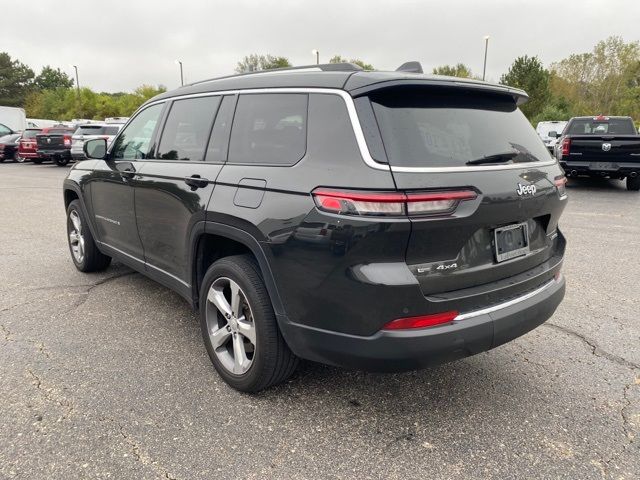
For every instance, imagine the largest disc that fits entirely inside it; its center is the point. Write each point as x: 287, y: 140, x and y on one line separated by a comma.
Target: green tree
x: 50, y: 79
x: 360, y: 63
x: 255, y: 62
x: 606, y: 80
x: 15, y: 81
x: 458, y: 70
x: 529, y: 74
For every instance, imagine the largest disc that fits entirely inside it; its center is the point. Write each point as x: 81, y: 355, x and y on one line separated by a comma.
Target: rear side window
x: 30, y: 133
x: 187, y: 128
x: 269, y: 129
x: 428, y: 127
x: 612, y: 126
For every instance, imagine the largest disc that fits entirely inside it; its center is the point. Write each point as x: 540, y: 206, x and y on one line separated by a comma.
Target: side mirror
x: 553, y: 134
x: 95, y: 148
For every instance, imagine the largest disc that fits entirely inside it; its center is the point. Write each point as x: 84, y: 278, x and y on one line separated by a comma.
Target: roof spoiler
x: 410, y: 67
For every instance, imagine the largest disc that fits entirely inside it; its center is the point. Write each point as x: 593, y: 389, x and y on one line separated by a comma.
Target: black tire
x: 37, y: 161
x: 92, y: 259
x: 61, y: 162
x: 272, y: 360
x: 17, y: 158
x: 633, y: 184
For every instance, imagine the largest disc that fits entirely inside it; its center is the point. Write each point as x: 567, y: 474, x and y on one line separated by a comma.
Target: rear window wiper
x: 502, y: 157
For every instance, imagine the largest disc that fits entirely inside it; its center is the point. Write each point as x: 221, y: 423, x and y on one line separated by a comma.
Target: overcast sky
x: 119, y: 45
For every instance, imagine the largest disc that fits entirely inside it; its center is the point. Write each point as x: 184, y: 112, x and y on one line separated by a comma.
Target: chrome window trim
x: 515, y: 301
x: 357, y: 129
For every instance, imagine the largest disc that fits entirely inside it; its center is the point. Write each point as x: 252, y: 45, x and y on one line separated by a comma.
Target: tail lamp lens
x: 423, y: 321
x: 389, y: 203
x: 560, y: 183
x: 67, y: 140
x: 566, y: 147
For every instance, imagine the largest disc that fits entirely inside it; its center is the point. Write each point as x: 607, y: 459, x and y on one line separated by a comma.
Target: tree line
x: 603, y: 81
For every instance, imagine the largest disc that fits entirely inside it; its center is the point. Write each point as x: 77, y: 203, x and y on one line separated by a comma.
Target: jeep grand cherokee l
x: 439, y: 202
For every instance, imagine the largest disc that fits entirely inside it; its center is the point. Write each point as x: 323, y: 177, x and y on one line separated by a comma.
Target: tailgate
x: 452, y: 141
x: 51, y: 142
x: 605, y: 148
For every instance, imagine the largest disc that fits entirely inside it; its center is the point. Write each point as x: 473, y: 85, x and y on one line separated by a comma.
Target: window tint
x: 428, y: 127
x: 269, y: 129
x: 219, y: 142
x: 613, y: 126
x: 187, y: 128
x: 135, y: 140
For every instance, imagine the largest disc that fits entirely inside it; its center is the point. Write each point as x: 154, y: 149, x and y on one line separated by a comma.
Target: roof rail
x: 323, y: 67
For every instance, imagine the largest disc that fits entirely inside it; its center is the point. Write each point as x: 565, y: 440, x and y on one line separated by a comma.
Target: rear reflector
x: 423, y: 321
x: 390, y: 203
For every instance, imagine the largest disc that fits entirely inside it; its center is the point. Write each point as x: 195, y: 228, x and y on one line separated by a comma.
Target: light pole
x: 486, y: 47
x: 178, y: 62
x: 75, y: 67
x: 317, y: 54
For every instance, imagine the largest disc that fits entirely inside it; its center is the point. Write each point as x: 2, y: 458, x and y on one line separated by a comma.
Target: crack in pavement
x: 97, y: 284
x: 626, y: 427
x: 46, y: 392
x: 595, y: 348
x: 140, y: 456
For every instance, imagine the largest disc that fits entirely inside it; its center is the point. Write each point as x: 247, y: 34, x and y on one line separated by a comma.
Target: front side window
x: 187, y: 128
x: 269, y: 129
x: 135, y: 140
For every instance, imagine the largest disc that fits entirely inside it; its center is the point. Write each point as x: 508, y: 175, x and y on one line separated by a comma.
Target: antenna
x: 410, y: 67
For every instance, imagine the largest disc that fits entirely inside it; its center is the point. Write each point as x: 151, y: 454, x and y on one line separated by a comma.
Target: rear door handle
x: 196, y: 181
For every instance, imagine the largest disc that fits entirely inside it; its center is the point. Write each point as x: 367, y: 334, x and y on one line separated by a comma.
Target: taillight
x: 566, y: 147
x: 560, y: 183
x: 423, y: 321
x: 67, y: 140
x: 390, y: 203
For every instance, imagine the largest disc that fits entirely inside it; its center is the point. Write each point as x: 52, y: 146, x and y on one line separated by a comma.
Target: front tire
x: 17, y: 158
x: 84, y: 252
x: 633, y: 184
x: 239, y: 326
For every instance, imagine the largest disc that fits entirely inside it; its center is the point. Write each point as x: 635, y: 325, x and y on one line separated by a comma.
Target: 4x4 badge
x: 523, y: 190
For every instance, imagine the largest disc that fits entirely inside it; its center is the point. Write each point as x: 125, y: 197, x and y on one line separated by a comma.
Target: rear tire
x: 17, y: 158
x: 62, y: 162
x: 633, y: 184
x: 244, y: 344
x: 84, y: 252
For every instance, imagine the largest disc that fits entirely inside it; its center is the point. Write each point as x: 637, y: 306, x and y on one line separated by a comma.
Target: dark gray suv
x: 376, y: 220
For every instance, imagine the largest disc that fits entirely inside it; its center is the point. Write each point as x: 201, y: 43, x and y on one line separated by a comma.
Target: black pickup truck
x: 55, y: 144
x: 601, y: 147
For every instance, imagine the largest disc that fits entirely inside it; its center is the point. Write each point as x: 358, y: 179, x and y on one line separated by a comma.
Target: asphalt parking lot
x: 105, y: 375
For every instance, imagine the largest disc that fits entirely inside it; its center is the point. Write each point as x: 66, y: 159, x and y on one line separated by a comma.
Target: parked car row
x: 59, y: 144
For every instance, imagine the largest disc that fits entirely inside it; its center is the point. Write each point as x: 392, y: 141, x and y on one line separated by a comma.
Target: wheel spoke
x: 219, y: 337
x: 240, y: 359
x: 216, y: 296
x: 76, y: 221
x: 235, y: 298
x: 73, y: 238
x: 247, y: 329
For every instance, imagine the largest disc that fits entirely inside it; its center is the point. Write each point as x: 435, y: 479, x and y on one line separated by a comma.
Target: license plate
x: 511, y: 241
x: 603, y: 166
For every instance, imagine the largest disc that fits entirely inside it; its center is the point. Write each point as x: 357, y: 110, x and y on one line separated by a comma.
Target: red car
x: 27, y: 148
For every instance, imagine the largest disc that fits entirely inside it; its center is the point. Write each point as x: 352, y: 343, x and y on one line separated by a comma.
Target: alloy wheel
x: 76, y: 238
x: 230, y: 325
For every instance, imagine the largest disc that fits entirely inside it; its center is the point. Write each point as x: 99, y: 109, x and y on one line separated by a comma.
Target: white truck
x: 13, y: 118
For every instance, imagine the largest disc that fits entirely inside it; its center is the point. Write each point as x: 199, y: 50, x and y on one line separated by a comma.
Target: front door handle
x: 196, y: 181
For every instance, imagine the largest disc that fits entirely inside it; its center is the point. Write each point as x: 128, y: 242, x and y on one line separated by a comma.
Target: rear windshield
x: 30, y: 133
x: 428, y: 127
x: 612, y: 126
x: 96, y: 130
x: 59, y: 131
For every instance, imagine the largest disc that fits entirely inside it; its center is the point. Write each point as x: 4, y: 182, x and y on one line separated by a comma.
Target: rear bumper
x: 28, y: 155
x: 590, y: 168
x: 54, y: 154
x: 470, y: 333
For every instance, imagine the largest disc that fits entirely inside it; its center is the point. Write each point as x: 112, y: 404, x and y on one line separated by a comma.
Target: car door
x: 175, y: 186
x: 112, y: 185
